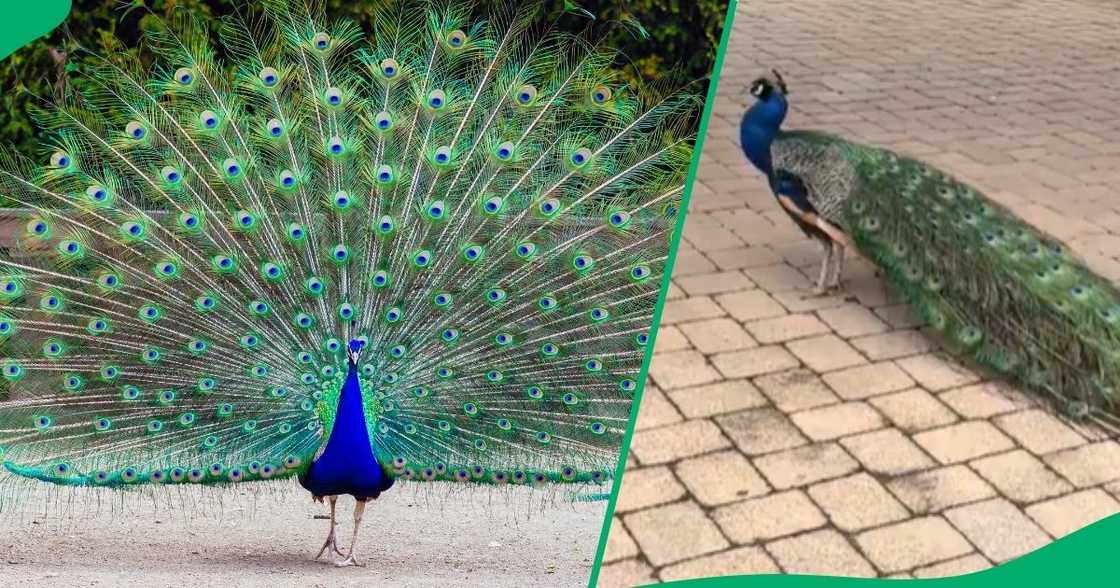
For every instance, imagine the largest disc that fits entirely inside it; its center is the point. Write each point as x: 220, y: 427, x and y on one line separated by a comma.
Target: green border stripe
x: 660, y: 307
x: 24, y: 22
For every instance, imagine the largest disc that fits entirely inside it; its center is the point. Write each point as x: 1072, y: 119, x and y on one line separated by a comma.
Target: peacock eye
x: 504, y: 151
x: 443, y: 154
x: 384, y: 121
x: 389, y: 67
x: 456, y: 39
x: 385, y: 174
x: 171, y: 175
x: 580, y: 156
x: 333, y: 96
x: 526, y: 95
x: 135, y: 130
x: 233, y: 169
x: 184, y: 76
x: 321, y: 41
x: 335, y: 145
x: 274, y: 127
x: 600, y: 94
x: 269, y: 76
x: 60, y: 159
x: 208, y: 119
x: 436, y: 99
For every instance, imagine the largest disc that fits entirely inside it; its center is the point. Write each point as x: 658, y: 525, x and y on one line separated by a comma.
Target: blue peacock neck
x: 760, y: 125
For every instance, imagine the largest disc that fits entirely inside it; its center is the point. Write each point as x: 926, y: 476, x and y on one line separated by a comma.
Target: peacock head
x: 764, y: 88
x: 355, y: 349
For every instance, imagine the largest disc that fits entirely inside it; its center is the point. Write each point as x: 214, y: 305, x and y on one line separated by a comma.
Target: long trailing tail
x: 1001, y: 291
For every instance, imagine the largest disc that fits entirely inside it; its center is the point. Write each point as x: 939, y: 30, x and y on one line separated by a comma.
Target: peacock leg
x: 840, y: 250
x: 331, y: 543
x: 350, y: 560
x: 826, y: 265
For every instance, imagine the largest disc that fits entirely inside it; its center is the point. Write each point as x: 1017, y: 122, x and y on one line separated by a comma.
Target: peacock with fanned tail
x: 430, y: 255
x: 1001, y: 292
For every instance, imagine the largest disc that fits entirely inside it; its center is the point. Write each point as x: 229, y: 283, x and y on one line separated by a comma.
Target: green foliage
x: 675, y: 39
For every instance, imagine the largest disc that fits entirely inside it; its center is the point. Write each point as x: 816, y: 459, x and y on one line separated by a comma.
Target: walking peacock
x: 429, y: 255
x: 1002, y: 292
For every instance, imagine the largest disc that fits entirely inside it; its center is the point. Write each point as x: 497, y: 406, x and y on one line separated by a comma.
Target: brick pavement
x: 830, y: 435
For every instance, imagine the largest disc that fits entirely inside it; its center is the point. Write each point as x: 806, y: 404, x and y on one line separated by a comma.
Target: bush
x: 681, y: 42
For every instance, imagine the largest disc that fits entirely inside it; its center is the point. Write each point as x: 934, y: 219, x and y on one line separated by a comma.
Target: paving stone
x: 955, y: 567
x: 1064, y: 515
x: 804, y: 465
x: 887, y: 452
x: 619, y: 543
x: 825, y: 353
x: 625, y: 574
x: 768, y: 517
x: 998, y: 529
x: 665, y: 444
x: 689, y: 309
x: 645, y: 487
x: 857, y: 502
x: 689, y: 262
x: 720, y: 478
x: 912, y: 543
x: 892, y: 345
x: 936, y: 490
x: 1038, y: 431
x: 1020, y: 476
x: 863, y: 381
x: 670, y: 338
x: 820, y: 552
x: 718, y: 398
x: 963, y: 441
x: 914, y: 410
x: 936, y: 373
x: 678, y: 369
x: 750, y: 305
x: 693, y: 532
x: 785, y: 328
x: 852, y: 320
x: 979, y: 401
x: 801, y: 302
x: 899, y: 316
x: 742, y: 257
x: 1087, y: 465
x: 777, y: 278
x: 717, y: 335
x: 733, y: 562
x: 715, y: 283
x: 838, y: 420
x: 759, y: 431
x: 655, y: 410
x: 753, y: 362
x: 795, y: 390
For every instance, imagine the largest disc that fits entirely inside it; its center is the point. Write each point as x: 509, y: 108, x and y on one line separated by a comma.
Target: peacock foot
x: 330, y: 544
x: 350, y: 561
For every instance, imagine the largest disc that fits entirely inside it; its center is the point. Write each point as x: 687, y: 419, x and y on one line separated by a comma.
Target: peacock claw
x: 350, y: 561
x: 330, y: 544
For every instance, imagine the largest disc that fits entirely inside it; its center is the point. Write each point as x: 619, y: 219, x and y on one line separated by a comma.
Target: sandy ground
x: 411, y: 536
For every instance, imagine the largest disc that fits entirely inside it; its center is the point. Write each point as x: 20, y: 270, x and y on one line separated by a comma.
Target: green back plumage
x: 481, y: 200
x: 1002, y: 292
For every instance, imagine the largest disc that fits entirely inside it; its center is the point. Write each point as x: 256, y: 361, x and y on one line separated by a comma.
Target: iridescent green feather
x: 482, y: 202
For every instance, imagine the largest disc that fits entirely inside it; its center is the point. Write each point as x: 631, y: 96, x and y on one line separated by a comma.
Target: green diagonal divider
x: 23, y: 22
x: 1083, y: 558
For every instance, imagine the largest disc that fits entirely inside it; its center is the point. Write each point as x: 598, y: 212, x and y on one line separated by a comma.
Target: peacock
x: 1000, y: 292
x: 426, y: 254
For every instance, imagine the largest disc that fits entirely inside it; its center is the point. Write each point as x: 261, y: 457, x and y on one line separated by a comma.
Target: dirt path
x: 515, y: 537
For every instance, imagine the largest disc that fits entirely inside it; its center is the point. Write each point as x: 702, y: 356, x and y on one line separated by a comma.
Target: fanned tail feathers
x: 480, y: 200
